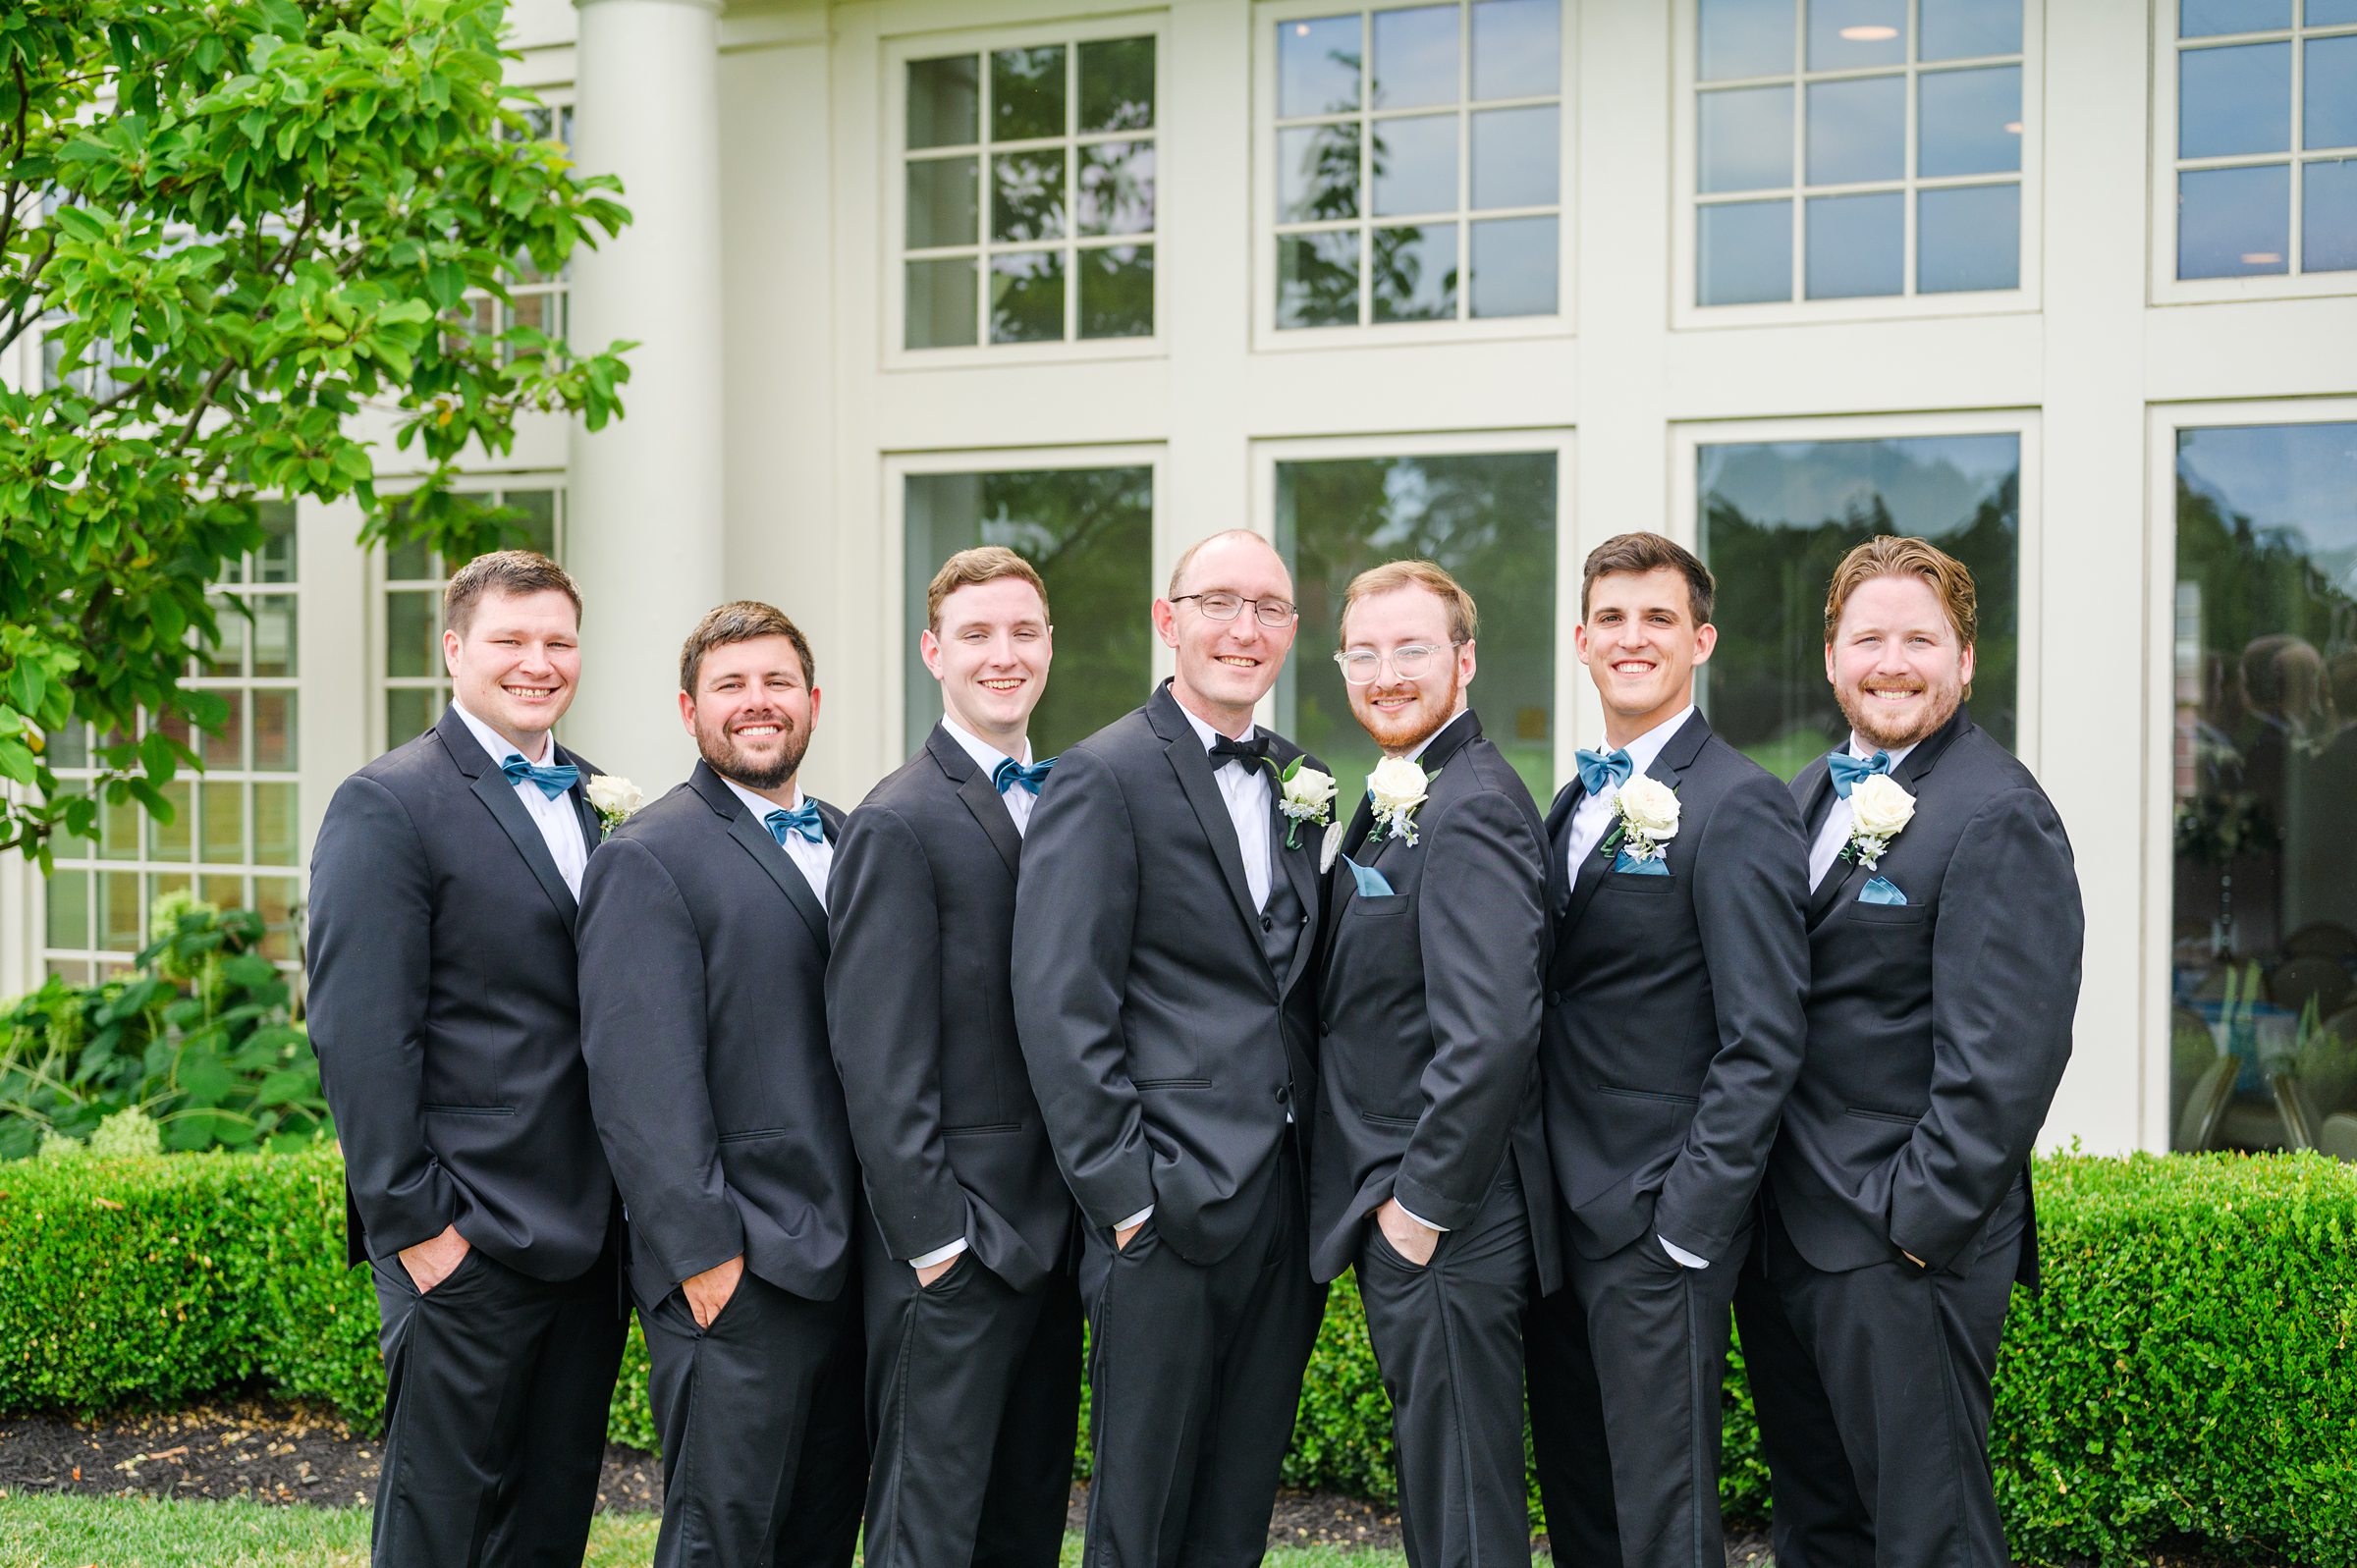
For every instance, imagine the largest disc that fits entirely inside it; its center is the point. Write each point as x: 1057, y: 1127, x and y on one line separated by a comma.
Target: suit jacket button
x: 1268, y: 922
x: 1324, y: 1026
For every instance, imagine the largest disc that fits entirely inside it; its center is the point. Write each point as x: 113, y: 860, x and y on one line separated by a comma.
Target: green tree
x: 244, y: 230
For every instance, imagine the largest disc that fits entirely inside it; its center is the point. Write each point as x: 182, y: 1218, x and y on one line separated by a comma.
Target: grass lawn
x: 53, y: 1530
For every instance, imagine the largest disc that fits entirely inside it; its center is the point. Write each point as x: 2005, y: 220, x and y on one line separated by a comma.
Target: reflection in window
x: 1776, y: 518
x: 2262, y: 1016
x: 1489, y: 519
x: 1030, y: 179
x: 2267, y: 138
x: 1419, y: 156
x: 1090, y: 533
x: 416, y: 684
x: 1805, y: 118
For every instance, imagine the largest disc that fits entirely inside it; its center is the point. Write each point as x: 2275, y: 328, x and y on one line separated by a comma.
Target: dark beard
x: 726, y: 758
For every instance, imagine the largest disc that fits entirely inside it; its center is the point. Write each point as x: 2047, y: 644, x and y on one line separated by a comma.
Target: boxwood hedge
x: 2190, y: 1369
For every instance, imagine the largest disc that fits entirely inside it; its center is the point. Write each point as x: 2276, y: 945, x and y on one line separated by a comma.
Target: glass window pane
x: 227, y: 655
x: 1746, y: 139
x: 1027, y: 94
x: 1413, y: 163
x: 274, y: 823
x: 408, y: 562
x: 1515, y: 268
x: 1117, y: 292
x: 225, y: 747
x: 275, y: 560
x: 1970, y: 121
x: 943, y: 102
x: 1317, y: 66
x: 1117, y: 187
x: 1517, y: 157
x: 122, y: 912
x: 1776, y: 518
x: 2233, y: 100
x: 223, y: 829
x: 68, y: 920
x: 274, y: 901
x: 2331, y: 12
x: 1969, y: 238
x: 273, y: 635
x: 1090, y: 532
x: 1117, y: 85
x: 120, y: 824
x: 70, y: 746
x: 274, y: 739
x: 1745, y: 38
x: 174, y: 841
x: 1317, y: 173
x: 944, y: 203
x: 1028, y: 195
x: 1517, y: 49
x: 536, y: 515
x: 1967, y: 29
x: 1412, y: 273
x: 2328, y: 220
x: 1415, y: 56
x: 1491, y: 520
x: 72, y: 971
x: 412, y: 634
x: 1857, y: 131
x: 1317, y: 279
x: 410, y: 712
x: 1745, y: 253
x: 2204, y: 18
x: 941, y: 303
x: 2328, y: 95
x: 2234, y: 223
x: 1856, y: 245
x: 1026, y: 297
x: 2262, y: 764
x: 1846, y: 34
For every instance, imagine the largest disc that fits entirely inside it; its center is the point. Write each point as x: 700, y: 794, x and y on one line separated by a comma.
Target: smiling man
x: 1672, y: 1033
x: 444, y: 1013
x: 703, y: 1022
x: 1166, y: 935
x: 974, y: 1318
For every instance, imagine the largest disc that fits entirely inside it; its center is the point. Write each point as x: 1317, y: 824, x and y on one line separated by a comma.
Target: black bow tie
x: 1251, y: 753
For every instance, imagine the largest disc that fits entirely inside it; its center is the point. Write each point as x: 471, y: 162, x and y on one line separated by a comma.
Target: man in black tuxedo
x: 1674, y: 1032
x: 703, y: 1021
x: 1944, y: 933
x: 973, y: 1318
x: 444, y: 1013
x: 1166, y: 935
x: 1430, y: 1175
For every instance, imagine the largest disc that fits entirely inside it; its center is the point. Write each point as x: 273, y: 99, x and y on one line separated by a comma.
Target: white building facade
x: 2068, y: 285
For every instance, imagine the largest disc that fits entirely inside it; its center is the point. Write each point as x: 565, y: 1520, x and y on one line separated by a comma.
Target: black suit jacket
x: 704, y: 1024
x: 1429, y: 1011
x: 921, y: 905
x: 1165, y: 1052
x: 1674, y: 1007
x: 444, y: 1015
x: 1937, y: 1029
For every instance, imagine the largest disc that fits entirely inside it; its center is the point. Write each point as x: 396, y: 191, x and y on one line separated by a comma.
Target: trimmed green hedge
x: 2190, y: 1369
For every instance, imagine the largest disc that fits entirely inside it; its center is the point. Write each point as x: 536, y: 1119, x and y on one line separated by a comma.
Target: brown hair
x: 741, y: 620
x: 508, y: 572
x: 1640, y: 553
x: 1899, y: 556
x: 970, y: 568
x: 1432, y: 577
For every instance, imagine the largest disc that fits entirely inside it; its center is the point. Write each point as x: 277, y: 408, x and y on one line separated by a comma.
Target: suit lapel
x: 980, y: 795
x: 1300, y: 868
x: 593, y: 832
x: 1192, y: 764
x: 492, y: 788
x: 1841, y: 882
x: 754, y: 840
x: 1668, y: 765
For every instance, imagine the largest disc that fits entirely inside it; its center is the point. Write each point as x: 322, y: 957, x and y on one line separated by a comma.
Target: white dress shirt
x: 1249, y: 804
x: 556, y: 817
x: 1835, y: 833
x: 812, y: 860
x: 987, y: 757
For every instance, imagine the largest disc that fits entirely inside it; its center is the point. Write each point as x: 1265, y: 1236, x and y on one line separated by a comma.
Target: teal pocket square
x: 1371, y: 883
x: 1626, y: 862
x: 1881, y: 891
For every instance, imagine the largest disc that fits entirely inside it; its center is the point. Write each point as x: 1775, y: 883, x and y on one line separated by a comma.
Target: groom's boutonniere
x: 613, y: 799
x: 1880, y: 806
x: 1645, y: 812
x: 1395, y: 790
x: 1303, y: 795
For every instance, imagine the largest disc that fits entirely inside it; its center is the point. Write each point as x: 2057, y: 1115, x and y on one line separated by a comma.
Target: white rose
x: 614, y: 796
x: 1650, y: 807
x: 1397, y: 784
x: 1880, y: 805
x: 1310, y: 787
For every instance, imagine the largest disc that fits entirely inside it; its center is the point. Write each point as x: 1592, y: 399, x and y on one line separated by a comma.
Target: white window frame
x: 2292, y: 284
x: 1266, y: 335
x: 894, y: 188
x: 1686, y: 150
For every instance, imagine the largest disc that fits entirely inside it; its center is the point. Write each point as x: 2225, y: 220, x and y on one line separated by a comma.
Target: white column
x: 643, y: 499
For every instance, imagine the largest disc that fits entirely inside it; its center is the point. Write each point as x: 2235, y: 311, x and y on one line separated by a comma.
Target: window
x: 1028, y: 200
x: 1417, y: 164
x: 536, y: 298
x: 2266, y: 164
x: 416, y: 682
x: 1489, y: 517
x: 1090, y: 533
x: 1777, y: 516
x: 2263, y: 770
x: 233, y: 835
x: 1857, y: 148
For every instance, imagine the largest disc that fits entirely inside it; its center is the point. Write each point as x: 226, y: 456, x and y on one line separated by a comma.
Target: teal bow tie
x: 1010, y: 773
x: 1600, y: 770
x: 553, y: 779
x: 803, y: 819
x: 1848, y: 769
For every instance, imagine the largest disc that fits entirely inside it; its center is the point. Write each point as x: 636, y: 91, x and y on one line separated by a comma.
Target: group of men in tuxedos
x: 867, y: 1116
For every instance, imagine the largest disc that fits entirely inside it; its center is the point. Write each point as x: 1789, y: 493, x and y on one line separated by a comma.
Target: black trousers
x: 1874, y: 1397
x: 1447, y: 1337
x: 974, y: 1394
x: 496, y: 1388
x: 764, y: 1442
x: 1195, y: 1374
x: 1625, y: 1365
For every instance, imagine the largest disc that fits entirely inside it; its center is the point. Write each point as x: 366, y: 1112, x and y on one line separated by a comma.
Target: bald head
x: 1222, y: 550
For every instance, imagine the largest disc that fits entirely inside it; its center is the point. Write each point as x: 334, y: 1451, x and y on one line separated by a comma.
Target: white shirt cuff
x: 1419, y: 1218
x: 1137, y: 1219
x: 1680, y: 1253
x: 927, y: 1259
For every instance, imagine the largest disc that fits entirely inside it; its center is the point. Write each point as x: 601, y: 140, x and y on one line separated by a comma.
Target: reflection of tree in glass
x: 1117, y: 85
x: 1030, y: 196
x: 1117, y: 292
x: 1026, y: 297
x: 1396, y: 261
x: 1117, y: 187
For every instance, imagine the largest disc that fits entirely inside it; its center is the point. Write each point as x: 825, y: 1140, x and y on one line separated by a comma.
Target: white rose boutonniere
x: 1395, y: 790
x: 1880, y: 806
x: 613, y: 799
x: 1304, y: 794
x: 1647, y: 810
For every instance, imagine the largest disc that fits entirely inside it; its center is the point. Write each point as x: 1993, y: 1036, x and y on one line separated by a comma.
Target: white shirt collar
x: 1206, y: 733
x: 498, y: 745
x: 987, y: 757
x: 1864, y: 752
x: 1647, y: 746
x: 759, y: 805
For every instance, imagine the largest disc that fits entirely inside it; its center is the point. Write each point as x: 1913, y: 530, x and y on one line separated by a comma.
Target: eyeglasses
x: 1409, y: 662
x: 1277, y: 613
